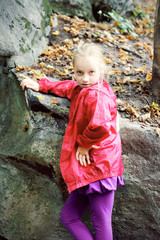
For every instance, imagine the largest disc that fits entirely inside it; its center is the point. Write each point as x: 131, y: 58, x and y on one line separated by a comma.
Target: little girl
x: 91, y: 162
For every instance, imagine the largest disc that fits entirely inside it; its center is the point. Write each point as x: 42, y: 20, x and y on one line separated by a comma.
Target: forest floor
x: 128, y: 55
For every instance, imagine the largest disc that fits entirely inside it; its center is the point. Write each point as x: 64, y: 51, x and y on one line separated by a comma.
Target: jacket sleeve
x: 100, y: 124
x: 60, y: 88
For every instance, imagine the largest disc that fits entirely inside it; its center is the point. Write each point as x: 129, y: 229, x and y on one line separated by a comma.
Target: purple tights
x: 101, y: 205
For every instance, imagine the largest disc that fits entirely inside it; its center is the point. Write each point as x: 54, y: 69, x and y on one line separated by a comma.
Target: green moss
x: 34, y: 38
x: 45, y: 14
x: 47, y: 7
x: 11, y: 25
x: 27, y: 25
x: 24, y: 49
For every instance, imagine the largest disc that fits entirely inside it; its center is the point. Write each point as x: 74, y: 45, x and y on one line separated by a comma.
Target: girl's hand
x: 29, y: 83
x: 82, y: 155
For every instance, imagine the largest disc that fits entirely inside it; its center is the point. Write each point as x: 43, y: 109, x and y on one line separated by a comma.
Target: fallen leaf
x: 42, y: 64
x: 119, y: 89
x: 67, y: 29
x: 148, y: 77
x: 104, y: 40
x: 135, y: 80
x: 155, y: 106
x: 122, y: 39
x: 54, y: 101
x: 127, y: 79
x: 117, y: 71
x: 51, y: 21
x: 55, y: 33
x: 40, y: 97
x: 130, y: 37
x: 118, y: 80
x: 125, y: 106
x: 107, y: 60
x: 21, y: 75
x: 140, y: 69
x: 157, y: 131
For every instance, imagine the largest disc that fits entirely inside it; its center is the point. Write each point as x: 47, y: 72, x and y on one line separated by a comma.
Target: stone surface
x: 120, y: 6
x: 24, y: 26
x: 88, y: 9
x: 138, y: 204
x: 32, y: 189
x: 78, y: 8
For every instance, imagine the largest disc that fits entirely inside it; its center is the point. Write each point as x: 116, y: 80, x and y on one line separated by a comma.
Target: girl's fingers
x: 83, y: 159
x: 29, y: 83
x: 77, y: 156
x: 24, y: 83
x: 88, y: 159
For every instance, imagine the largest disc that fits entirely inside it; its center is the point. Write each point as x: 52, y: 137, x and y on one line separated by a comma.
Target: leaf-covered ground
x: 128, y: 55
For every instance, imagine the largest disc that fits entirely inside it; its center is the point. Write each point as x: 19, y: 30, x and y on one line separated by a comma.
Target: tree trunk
x: 155, y: 83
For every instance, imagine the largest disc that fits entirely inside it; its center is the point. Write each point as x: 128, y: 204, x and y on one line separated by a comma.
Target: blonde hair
x: 93, y: 50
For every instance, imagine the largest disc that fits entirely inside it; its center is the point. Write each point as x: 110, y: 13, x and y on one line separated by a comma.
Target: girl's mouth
x: 85, y: 85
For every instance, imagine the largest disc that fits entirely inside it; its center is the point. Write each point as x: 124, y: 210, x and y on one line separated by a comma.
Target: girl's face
x: 86, y: 70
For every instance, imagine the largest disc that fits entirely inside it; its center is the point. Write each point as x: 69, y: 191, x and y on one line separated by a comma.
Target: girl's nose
x: 85, y: 78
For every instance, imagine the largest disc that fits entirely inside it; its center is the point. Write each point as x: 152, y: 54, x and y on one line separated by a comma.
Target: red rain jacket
x: 92, y: 121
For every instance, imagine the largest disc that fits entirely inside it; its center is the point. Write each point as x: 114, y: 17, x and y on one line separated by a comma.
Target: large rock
x: 137, y: 206
x: 31, y: 184
x: 88, y: 9
x: 78, y: 8
x: 32, y: 189
x: 24, y: 26
x: 120, y: 6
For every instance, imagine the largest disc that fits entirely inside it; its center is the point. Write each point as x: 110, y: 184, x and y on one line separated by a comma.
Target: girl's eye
x: 91, y: 72
x: 79, y: 72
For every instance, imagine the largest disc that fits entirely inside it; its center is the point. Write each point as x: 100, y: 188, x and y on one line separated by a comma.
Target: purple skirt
x: 102, y: 186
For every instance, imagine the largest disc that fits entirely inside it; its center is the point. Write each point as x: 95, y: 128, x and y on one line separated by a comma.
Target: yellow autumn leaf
x: 40, y: 97
x: 104, y: 40
x: 118, y: 89
x: 122, y: 53
x: 155, y: 106
x: 130, y: 37
x: 135, y: 80
x: 139, y: 30
x: 51, y: 21
x: 139, y: 44
x: 21, y: 75
x: 148, y: 77
x: 107, y: 60
x: 70, y: 68
x: 140, y: 69
x: 60, y: 73
x: 55, y: 33
x: 157, y: 131
x: 117, y: 71
x: 118, y: 80
x: 67, y: 29
x: 158, y: 113
x: 127, y: 79
x: 64, y: 17
x: 42, y: 64
x: 122, y: 39
x: 54, y: 101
